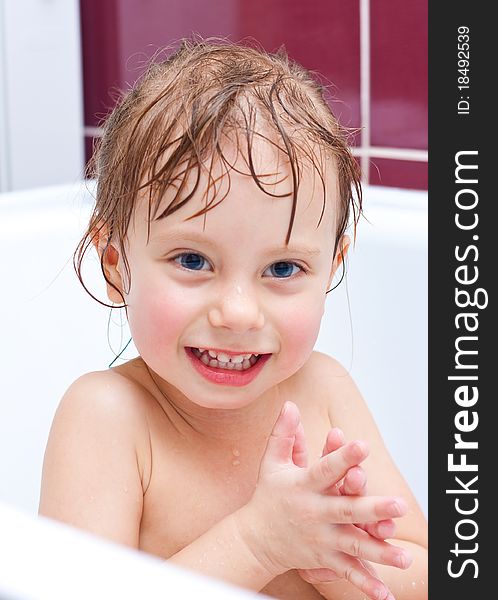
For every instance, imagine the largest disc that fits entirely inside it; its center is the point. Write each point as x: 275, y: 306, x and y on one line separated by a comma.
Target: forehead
x: 250, y: 191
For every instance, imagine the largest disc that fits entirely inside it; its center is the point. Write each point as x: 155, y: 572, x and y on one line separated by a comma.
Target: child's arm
x: 348, y: 411
x: 94, y: 478
x: 93, y: 468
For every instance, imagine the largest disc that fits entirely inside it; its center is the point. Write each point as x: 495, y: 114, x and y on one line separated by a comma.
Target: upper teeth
x: 225, y: 358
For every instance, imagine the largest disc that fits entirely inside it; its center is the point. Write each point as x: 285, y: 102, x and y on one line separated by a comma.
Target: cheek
x: 300, y: 326
x: 157, y: 318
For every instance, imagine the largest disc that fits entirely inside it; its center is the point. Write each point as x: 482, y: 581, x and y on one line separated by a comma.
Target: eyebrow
x: 194, y: 237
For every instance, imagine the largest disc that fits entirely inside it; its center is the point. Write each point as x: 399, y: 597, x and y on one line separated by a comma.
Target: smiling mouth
x: 236, y: 363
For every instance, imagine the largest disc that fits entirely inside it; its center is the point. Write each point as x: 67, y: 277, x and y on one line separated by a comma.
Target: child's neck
x: 221, y: 428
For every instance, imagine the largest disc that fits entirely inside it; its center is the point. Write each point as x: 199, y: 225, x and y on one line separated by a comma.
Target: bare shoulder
x: 321, y: 388
x: 113, y: 401
x: 333, y: 387
x: 325, y: 379
x: 322, y: 365
x: 95, y: 462
x: 347, y: 410
x: 105, y: 392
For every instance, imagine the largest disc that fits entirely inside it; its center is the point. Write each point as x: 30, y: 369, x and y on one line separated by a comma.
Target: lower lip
x: 224, y: 376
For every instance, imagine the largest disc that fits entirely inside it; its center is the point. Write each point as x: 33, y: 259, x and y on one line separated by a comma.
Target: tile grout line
x: 410, y: 154
x: 365, y: 87
x: 89, y: 131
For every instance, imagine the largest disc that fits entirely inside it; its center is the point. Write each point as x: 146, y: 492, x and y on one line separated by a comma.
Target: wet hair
x: 174, y: 120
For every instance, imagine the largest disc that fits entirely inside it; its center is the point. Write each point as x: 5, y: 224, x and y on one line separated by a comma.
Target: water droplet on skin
x: 413, y: 584
x: 235, y: 452
x: 235, y: 463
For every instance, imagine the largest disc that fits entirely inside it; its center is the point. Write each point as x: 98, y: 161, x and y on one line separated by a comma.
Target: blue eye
x: 194, y: 262
x: 190, y: 260
x: 283, y: 270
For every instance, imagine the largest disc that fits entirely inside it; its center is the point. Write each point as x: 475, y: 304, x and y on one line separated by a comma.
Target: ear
x: 110, y: 259
x: 340, y: 256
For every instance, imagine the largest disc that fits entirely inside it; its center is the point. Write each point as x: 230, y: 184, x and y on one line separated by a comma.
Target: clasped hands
x: 317, y: 519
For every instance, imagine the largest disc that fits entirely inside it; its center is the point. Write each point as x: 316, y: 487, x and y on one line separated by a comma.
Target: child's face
x: 219, y: 281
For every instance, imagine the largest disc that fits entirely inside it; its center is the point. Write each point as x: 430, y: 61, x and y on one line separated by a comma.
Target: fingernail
x: 358, y: 448
x: 398, y: 507
x: 339, y: 433
x: 384, y: 529
x: 403, y: 560
x: 284, y: 409
x: 381, y: 594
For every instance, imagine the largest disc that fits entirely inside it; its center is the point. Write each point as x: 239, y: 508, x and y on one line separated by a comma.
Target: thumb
x: 280, y: 445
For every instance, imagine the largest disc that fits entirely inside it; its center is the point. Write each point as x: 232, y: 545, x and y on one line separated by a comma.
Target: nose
x: 237, y: 308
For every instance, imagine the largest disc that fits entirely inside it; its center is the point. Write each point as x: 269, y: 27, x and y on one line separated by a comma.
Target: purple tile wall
x: 398, y: 42
x: 120, y: 36
x: 322, y: 35
x: 410, y: 174
x: 101, y: 57
x: 148, y: 27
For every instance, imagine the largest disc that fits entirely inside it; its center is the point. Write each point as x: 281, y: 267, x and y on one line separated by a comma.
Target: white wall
x: 379, y: 333
x: 41, y: 114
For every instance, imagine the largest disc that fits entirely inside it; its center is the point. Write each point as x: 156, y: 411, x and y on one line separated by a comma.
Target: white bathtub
x: 52, y: 331
x: 42, y: 559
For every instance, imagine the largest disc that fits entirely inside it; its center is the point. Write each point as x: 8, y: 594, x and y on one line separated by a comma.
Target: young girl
x: 225, y: 187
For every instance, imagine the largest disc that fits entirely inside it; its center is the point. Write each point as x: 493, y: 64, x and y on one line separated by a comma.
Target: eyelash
x: 300, y: 266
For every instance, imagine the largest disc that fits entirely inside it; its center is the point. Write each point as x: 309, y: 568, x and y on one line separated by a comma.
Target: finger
x: 369, y: 567
x: 300, y: 450
x: 318, y: 575
x: 330, y: 469
x: 355, y: 482
x: 381, y: 530
x: 355, y: 485
x: 358, y: 543
x: 280, y: 445
x: 354, y: 571
x: 360, y: 509
x: 335, y: 439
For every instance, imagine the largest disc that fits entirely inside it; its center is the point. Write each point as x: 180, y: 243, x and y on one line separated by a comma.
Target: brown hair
x: 175, y: 117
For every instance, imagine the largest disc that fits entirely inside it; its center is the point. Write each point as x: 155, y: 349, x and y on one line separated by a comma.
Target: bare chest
x: 191, y: 489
